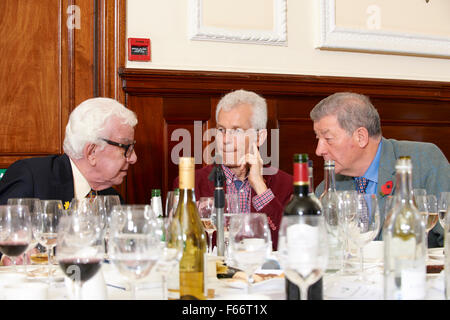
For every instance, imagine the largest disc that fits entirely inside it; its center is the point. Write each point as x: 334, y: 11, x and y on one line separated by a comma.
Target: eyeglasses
x: 127, y: 147
x: 236, y: 132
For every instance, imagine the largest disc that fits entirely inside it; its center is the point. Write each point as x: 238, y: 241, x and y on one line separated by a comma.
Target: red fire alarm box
x: 138, y: 49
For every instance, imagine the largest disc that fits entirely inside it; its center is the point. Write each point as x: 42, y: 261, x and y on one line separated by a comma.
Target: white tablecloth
x: 109, y: 284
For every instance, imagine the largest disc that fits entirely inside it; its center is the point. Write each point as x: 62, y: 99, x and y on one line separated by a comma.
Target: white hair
x: 88, y: 120
x: 237, y: 97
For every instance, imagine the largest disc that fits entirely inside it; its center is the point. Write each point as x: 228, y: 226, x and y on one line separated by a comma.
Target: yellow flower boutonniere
x: 66, y: 205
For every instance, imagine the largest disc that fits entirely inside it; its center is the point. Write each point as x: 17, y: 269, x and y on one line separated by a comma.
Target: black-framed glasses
x: 127, y: 147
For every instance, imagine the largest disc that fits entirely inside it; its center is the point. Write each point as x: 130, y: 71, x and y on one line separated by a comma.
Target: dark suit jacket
x: 46, y: 178
x: 280, y: 184
x: 430, y: 171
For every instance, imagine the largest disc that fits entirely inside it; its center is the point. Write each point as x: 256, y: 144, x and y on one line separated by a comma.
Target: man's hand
x: 254, y: 161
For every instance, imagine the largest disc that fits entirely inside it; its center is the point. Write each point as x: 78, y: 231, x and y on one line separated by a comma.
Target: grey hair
x: 237, y: 97
x: 352, y: 110
x: 88, y: 120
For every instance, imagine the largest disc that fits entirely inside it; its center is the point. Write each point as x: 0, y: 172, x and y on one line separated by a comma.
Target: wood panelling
x: 166, y: 100
x: 30, y: 110
x: 49, y: 66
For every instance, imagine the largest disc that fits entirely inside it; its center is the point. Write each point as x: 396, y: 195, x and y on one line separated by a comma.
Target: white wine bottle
x: 405, y: 242
x: 192, y: 263
x: 330, y: 202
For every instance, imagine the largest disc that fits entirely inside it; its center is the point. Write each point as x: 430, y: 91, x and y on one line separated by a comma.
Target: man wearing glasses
x: 241, y: 118
x: 98, y: 149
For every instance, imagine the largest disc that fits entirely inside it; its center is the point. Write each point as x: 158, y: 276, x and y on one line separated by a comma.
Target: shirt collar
x: 230, y: 175
x: 372, y: 172
x: 81, y: 186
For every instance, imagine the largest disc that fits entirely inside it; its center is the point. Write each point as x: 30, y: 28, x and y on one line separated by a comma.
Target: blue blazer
x: 431, y: 171
x: 46, y: 178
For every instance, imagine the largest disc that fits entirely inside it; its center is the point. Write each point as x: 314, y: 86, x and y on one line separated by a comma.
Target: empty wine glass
x: 303, y: 250
x: 365, y: 225
x: 231, y: 203
x: 231, y: 208
x: 172, y: 202
x: 15, y: 231
x: 105, y: 206
x: 420, y: 200
x: 172, y: 250
x: 47, y: 228
x: 443, y: 207
x: 346, y: 213
x: 206, y: 212
x: 249, y: 242
x: 33, y: 205
x: 135, y: 242
x: 79, y: 246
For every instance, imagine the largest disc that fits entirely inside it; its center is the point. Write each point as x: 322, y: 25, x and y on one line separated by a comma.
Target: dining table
x: 109, y: 284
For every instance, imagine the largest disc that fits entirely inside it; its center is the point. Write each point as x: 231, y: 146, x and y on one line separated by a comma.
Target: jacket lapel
x: 63, y: 183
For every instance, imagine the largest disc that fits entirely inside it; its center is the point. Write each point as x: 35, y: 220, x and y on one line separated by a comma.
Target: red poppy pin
x: 386, y: 189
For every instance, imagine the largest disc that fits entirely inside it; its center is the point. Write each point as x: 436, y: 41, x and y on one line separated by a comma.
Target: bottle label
x: 187, y: 173
x: 302, y: 247
x: 413, y: 283
x: 301, y: 174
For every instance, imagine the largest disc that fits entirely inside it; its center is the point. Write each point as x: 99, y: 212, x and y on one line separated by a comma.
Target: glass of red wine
x: 15, y: 231
x: 34, y: 205
x: 80, y: 247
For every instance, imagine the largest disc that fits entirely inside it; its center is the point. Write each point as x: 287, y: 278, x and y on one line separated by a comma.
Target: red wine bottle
x: 302, y: 204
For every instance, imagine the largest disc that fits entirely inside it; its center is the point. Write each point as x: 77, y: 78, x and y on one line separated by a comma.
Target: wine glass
x: 105, y: 206
x: 432, y: 206
x: 80, y: 245
x: 206, y: 212
x: 172, y: 202
x: 303, y: 250
x: 419, y: 192
x: 420, y: 200
x: 443, y: 206
x: 135, y: 242
x: 15, y: 231
x: 231, y: 203
x: 231, y: 208
x: 346, y: 213
x: 249, y: 242
x: 33, y: 205
x: 172, y: 249
x: 388, y: 205
x: 46, y: 228
x: 365, y: 225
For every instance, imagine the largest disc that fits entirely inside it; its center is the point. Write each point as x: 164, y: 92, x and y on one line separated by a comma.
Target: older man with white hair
x: 241, y: 119
x: 98, y: 146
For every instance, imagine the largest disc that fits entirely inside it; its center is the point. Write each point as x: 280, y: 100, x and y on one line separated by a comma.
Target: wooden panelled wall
x: 167, y: 100
x: 54, y: 55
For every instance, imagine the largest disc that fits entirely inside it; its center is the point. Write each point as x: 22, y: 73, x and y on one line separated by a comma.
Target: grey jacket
x: 431, y: 171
